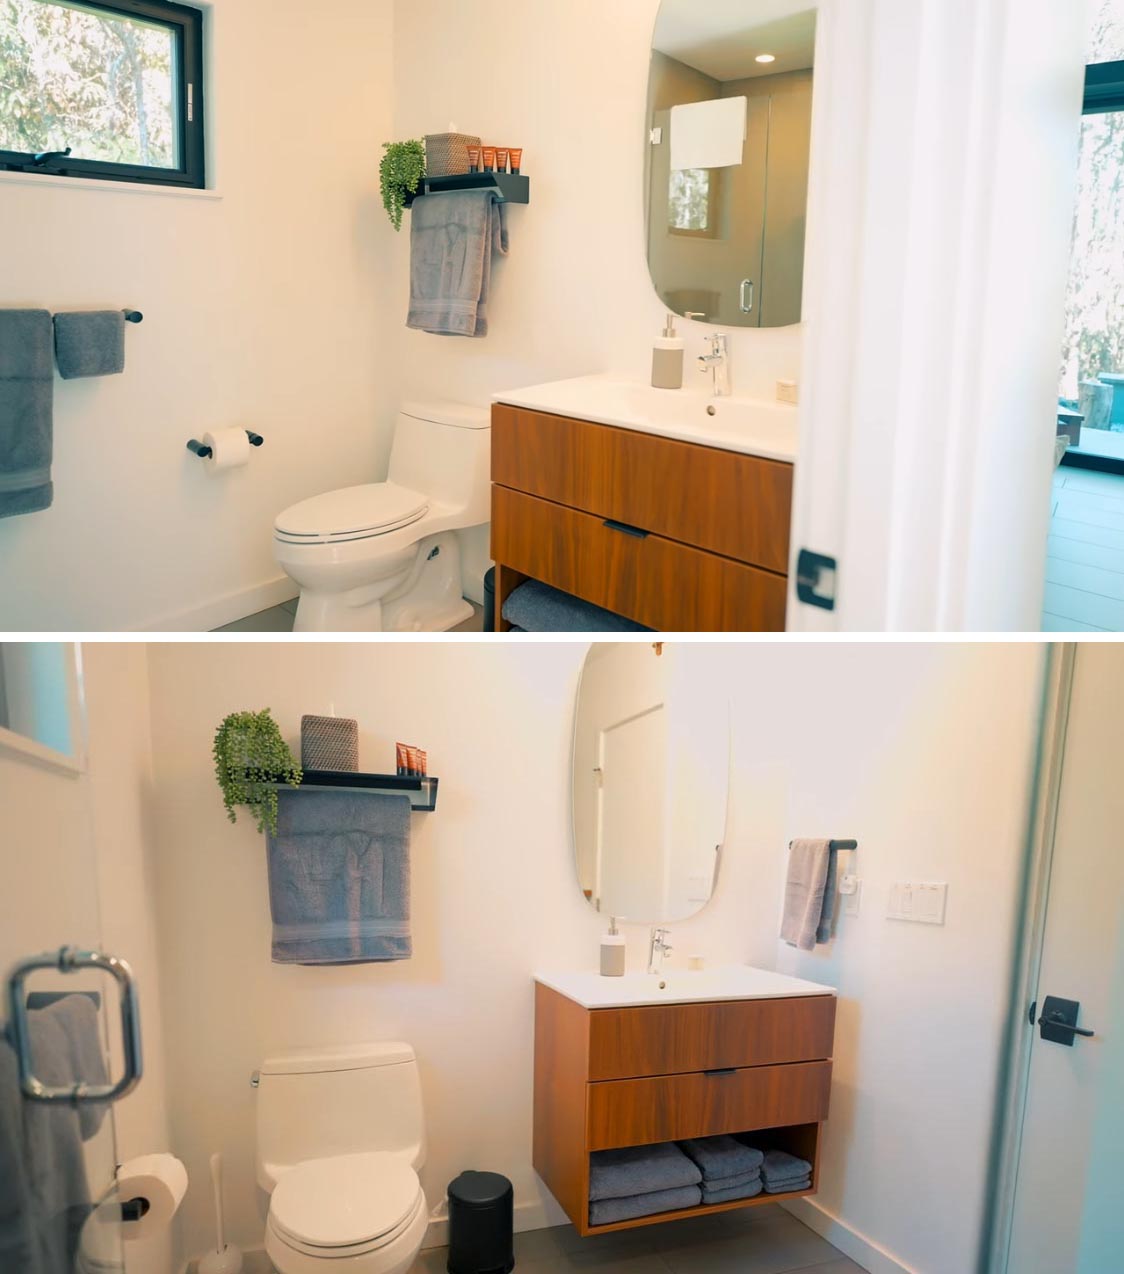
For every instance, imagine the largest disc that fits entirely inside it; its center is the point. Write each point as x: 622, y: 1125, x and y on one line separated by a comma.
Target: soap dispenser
x: 667, y: 358
x: 612, y: 952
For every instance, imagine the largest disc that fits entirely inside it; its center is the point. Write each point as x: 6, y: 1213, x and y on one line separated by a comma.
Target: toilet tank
x: 443, y: 450
x: 335, y: 1101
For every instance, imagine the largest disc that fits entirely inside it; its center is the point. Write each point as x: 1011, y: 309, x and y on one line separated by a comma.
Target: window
x: 691, y: 200
x: 113, y: 91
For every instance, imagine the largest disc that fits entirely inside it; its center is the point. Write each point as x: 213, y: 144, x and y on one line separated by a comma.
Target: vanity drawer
x: 639, y: 1112
x: 721, y: 501
x: 666, y: 1039
x: 654, y: 581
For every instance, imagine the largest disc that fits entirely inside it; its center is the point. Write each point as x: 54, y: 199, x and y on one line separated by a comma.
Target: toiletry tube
x: 501, y: 159
x: 161, y: 1181
x: 489, y: 153
x: 230, y: 448
x: 401, y: 758
x: 411, y: 761
x: 423, y: 763
x: 473, y: 159
x: 516, y: 155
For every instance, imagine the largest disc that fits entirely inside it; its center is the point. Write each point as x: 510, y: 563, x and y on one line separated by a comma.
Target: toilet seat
x: 347, y: 1205
x: 351, y: 513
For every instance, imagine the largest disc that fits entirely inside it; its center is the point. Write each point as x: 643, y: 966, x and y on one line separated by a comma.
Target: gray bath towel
x: 788, y: 1186
x: 537, y: 608
x: 90, y: 343
x: 746, y: 1190
x: 44, y: 1194
x: 26, y: 387
x: 607, y: 1211
x: 805, y: 884
x: 722, y: 1156
x: 339, y: 878
x: 731, y: 1183
x: 620, y: 1174
x: 779, y: 1165
x: 453, y: 238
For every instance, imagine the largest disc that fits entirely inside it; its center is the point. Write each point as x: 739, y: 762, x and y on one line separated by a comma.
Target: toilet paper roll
x: 159, y: 1180
x: 229, y: 448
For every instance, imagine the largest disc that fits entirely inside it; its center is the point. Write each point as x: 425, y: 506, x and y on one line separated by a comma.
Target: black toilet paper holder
x: 204, y: 452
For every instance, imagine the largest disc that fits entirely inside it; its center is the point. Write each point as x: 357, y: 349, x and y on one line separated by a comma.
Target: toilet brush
x: 226, y: 1258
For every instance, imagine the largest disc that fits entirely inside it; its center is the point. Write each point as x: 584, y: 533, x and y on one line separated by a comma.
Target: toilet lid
x: 344, y: 1201
x: 351, y: 513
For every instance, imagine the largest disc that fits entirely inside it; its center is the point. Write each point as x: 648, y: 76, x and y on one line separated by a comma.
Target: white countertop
x: 678, y: 986
x: 753, y: 427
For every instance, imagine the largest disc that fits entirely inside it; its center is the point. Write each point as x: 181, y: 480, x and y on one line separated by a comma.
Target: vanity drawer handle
x: 625, y: 529
x: 723, y: 1070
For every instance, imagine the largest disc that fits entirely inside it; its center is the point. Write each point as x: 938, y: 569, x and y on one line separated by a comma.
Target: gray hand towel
x: 606, y: 1211
x: 620, y: 1174
x: 535, y: 607
x: 339, y: 878
x: 26, y: 426
x: 722, y: 1156
x: 453, y: 238
x: 731, y: 1183
x: 746, y: 1190
x: 805, y: 884
x: 779, y: 1165
x: 90, y: 343
x: 788, y: 1186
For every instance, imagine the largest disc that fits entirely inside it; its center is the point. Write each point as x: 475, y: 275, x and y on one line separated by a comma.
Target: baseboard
x: 224, y: 610
x: 858, y: 1247
x: 528, y: 1216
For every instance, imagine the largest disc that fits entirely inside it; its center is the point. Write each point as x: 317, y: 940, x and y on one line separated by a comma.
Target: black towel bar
x: 133, y: 316
x: 838, y: 844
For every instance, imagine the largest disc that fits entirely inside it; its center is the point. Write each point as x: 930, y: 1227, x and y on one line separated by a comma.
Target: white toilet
x: 340, y: 1137
x: 386, y: 557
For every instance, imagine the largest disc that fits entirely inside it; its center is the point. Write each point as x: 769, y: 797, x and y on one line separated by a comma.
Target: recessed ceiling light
x: 765, y: 57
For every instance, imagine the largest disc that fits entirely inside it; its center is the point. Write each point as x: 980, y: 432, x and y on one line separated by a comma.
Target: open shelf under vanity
x: 607, y: 1078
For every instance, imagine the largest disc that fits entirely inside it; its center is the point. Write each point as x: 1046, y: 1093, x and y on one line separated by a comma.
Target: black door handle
x: 1058, y: 1023
x: 625, y: 529
x: 722, y: 1070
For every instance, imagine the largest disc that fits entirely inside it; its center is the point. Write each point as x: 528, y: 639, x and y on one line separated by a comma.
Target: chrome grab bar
x: 69, y: 960
x: 746, y: 304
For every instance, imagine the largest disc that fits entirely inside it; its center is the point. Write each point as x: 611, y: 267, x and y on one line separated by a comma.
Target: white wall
x: 268, y: 308
x: 567, y: 81
x: 921, y: 752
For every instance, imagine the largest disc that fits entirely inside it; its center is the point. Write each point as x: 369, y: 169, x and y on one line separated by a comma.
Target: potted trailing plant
x: 401, y: 169
x: 250, y: 758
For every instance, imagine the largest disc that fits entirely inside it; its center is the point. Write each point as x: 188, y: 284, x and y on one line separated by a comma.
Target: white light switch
x: 852, y: 897
x: 920, y: 901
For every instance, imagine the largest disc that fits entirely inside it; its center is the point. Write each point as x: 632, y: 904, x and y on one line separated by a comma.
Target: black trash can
x: 481, y: 1224
x: 490, y: 600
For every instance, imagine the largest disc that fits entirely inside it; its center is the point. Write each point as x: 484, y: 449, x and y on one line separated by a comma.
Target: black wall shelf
x: 421, y: 791
x: 507, y: 187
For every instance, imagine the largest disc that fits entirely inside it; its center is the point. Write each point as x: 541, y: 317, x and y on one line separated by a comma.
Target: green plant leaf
x: 400, y: 172
x: 250, y: 758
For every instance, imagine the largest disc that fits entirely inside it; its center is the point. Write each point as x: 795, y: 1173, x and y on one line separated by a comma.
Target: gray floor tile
x: 774, y: 1246
x: 841, y: 1265
x: 473, y: 625
x: 275, y: 620
x: 291, y: 606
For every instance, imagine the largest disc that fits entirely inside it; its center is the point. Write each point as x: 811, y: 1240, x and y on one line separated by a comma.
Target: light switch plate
x: 852, y: 900
x: 922, y: 901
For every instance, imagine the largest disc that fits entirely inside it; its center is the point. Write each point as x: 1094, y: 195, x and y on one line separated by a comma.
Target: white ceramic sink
x: 748, y: 425
x: 678, y: 986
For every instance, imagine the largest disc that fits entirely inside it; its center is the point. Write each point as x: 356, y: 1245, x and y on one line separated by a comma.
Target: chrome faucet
x: 658, y: 947
x: 717, y: 362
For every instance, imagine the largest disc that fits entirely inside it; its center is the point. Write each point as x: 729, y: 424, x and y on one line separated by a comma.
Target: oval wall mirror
x: 729, y: 136
x: 650, y: 779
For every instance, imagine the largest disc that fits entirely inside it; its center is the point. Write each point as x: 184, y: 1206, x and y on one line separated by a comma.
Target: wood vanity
x: 615, y: 1077
x: 676, y: 536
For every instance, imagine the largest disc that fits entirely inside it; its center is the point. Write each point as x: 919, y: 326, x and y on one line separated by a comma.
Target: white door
x: 631, y: 825
x: 1069, y: 1201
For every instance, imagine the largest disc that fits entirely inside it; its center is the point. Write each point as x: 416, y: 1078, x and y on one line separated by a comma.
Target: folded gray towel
x: 537, y: 608
x: 453, y: 238
x: 620, y: 1174
x: 722, y: 1156
x: 732, y: 1182
x: 779, y: 1165
x: 339, y: 878
x: 90, y: 343
x: 789, y: 1186
x: 805, y: 884
x: 606, y: 1211
x: 746, y: 1190
x: 26, y: 426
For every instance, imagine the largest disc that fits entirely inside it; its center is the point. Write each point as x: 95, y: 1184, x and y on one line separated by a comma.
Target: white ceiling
x: 721, y: 38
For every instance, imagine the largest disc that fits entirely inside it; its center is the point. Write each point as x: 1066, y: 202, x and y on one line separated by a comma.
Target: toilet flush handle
x: 255, y: 1079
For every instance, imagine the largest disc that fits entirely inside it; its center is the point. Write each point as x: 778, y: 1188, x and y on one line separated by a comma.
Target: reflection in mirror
x: 650, y: 779
x: 38, y: 691
x: 730, y: 119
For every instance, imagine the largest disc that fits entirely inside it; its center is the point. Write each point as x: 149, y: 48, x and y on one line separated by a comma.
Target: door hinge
x: 815, y: 579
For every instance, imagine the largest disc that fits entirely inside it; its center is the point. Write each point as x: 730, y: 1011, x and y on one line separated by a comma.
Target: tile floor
x: 1085, y: 557
x: 279, y: 619
x: 765, y: 1240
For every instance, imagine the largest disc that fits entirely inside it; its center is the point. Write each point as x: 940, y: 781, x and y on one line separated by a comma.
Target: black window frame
x: 187, y: 29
